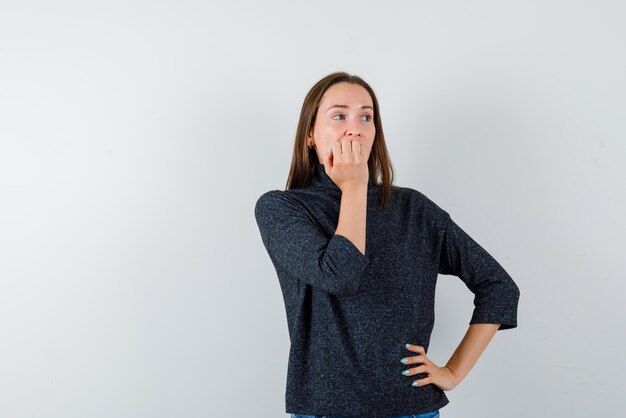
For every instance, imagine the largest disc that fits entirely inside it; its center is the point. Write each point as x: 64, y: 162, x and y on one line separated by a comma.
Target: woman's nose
x: 353, y: 131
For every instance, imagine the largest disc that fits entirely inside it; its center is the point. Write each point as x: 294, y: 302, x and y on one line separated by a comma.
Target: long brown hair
x: 305, y: 159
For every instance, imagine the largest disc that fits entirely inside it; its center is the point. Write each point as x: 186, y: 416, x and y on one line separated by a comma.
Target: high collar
x: 322, y: 180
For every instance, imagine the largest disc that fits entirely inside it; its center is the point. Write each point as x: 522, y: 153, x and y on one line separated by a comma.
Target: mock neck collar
x: 322, y: 180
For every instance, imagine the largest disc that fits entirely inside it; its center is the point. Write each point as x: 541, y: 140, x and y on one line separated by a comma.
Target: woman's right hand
x: 346, y: 165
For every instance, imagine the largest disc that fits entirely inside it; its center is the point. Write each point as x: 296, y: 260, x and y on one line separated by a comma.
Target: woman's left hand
x: 442, y: 377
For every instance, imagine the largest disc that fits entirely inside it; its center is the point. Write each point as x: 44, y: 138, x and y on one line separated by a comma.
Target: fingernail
x: 407, y: 345
x: 329, y: 148
x: 404, y: 360
x: 415, y: 383
x: 405, y: 372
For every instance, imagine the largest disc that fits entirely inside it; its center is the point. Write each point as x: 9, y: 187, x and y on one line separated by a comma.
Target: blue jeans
x: 433, y: 414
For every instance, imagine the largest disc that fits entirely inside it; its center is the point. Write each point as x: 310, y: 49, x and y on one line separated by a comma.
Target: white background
x: 136, y: 136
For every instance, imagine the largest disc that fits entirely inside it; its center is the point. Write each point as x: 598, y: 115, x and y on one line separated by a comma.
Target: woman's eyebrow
x: 347, y: 107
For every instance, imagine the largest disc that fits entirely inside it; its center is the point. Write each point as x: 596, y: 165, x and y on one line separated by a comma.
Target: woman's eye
x: 369, y: 118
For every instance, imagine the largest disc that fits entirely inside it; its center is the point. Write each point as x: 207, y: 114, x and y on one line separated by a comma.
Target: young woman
x: 357, y: 259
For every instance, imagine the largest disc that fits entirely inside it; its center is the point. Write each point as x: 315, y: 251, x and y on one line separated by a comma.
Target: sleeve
x: 296, y: 245
x: 496, y: 294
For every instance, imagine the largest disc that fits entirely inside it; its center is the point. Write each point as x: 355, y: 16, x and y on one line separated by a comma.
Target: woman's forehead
x: 345, y: 94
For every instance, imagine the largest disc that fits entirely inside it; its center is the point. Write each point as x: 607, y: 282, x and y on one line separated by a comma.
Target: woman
x: 357, y: 259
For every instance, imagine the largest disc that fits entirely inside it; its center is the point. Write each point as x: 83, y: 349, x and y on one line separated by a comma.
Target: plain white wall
x: 136, y: 136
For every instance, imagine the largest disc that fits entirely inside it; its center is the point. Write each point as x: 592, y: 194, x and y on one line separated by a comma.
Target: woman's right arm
x: 352, y: 215
x: 295, y: 243
x: 300, y: 250
x: 348, y: 169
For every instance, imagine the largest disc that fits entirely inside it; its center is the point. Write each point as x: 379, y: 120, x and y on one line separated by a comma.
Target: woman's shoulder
x: 276, y: 196
x: 276, y: 201
x: 270, y: 198
x: 418, y: 200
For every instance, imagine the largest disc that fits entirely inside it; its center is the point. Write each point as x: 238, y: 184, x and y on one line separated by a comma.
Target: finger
x: 345, y: 146
x: 415, y: 370
x: 414, y: 359
x: 327, y: 159
x: 337, y: 154
x: 421, y: 382
x: 356, y: 151
x: 328, y: 154
x: 416, y: 348
x: 352, y: 150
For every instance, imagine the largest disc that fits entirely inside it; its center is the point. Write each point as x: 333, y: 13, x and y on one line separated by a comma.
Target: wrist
x: 354, y: 189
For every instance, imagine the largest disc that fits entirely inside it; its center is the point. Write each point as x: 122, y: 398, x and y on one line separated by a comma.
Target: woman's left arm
x: 463, y: 359
x: 470, y: 349
x: 496, y: 297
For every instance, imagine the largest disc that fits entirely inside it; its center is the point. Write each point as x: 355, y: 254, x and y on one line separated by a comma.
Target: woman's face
x: 346, y: 111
